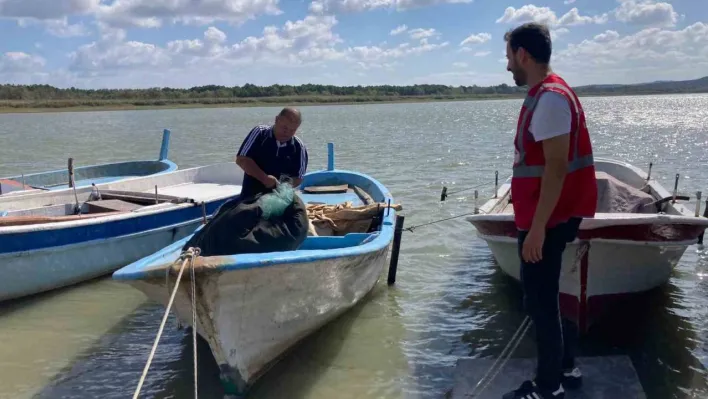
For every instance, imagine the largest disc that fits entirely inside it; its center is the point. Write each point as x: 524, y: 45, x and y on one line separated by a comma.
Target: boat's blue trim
x: 101, y: 173
x: 347, y: 246
x: 33, y: 240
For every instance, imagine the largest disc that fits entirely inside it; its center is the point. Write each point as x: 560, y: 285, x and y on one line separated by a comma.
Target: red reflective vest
x: 579, y: 194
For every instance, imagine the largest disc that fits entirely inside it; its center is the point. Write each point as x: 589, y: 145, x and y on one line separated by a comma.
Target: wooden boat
x: 88, y: 175
x: 252, y: 308
x: 57, y: 238
x: 639, y: 233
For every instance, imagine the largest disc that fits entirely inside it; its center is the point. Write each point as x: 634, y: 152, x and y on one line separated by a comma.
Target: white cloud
x: 46, y: 10
x: 18, y: 62
x: 153, y: 13
x: 569, y: 2
x: 646, y: 13
x: 335, y: 6
x: 482, y: 53
x: 57, y: 27
x: 422, y: 33
x: 557, y: 33
x: 459, y: 64
x: 398, y: 30
x: 305, y: 42
x: 532, y: 13
x: 478, y: 38
x: 667, y: 52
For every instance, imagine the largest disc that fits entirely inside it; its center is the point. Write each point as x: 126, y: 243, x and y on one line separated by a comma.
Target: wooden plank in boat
x: 607, y: 377
x: 111, y: 205
x: 142, y: 198
x: 33, y: 219
x: 342, y: 188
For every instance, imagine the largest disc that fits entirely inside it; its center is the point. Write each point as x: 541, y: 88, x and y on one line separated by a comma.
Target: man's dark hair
x: 534, y: 38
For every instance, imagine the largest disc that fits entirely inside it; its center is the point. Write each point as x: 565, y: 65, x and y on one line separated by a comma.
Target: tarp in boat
x: 615, y: 196
x: 239, y: 227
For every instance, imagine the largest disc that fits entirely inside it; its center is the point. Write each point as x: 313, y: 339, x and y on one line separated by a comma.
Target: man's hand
x: 532, y: 250
x: 270, y: 181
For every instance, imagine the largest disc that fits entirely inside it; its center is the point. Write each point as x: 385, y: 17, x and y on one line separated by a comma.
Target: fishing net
x: 340, y: 219
x: 271, y: 222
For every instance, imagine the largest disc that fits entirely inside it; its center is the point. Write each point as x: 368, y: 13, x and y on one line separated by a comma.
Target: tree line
x: 48, y: 93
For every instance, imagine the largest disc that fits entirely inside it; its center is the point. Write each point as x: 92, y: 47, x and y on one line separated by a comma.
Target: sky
x: 185, y: 43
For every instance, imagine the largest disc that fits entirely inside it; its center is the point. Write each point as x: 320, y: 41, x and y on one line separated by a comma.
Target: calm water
x: 450, y: 300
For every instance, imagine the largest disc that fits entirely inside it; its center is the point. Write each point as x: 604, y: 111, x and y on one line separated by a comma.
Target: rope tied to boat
x: 519, y: 334
x: 187, y: 257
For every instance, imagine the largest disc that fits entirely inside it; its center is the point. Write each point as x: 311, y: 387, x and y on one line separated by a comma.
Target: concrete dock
x: 604, y: 377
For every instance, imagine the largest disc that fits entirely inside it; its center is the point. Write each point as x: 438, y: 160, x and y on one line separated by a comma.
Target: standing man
x: 553, y: 187
x: 269, y: 153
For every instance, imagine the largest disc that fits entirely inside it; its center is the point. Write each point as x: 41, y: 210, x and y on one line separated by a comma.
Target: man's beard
x: 519, y: 77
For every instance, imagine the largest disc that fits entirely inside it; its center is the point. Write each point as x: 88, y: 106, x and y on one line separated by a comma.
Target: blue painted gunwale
x: 102, y: 173
x: 141, y: 269
x: 17, y: 242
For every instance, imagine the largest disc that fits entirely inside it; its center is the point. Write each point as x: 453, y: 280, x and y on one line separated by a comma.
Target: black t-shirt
x: 273, y: 157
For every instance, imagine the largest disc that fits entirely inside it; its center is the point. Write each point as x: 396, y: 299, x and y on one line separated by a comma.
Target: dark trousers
x: 555, y: 340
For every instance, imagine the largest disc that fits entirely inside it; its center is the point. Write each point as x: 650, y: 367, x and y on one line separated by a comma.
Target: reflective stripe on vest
x: 521, y: 169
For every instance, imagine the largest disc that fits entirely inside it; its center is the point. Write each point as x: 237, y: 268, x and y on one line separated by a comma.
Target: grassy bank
x: 77, y: 105
x: 132, y: 104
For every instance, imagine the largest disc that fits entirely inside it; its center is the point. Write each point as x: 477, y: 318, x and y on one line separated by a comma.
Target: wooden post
x: 397, y: 233
x: 71, y: 172
x: 443, y: 194
x: 705, y: 215
x: 476, y: 196
x: 698, y: 203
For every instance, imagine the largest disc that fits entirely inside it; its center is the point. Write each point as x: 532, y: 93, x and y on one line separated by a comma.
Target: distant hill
x: 37, y: 98
x: 659, y: 87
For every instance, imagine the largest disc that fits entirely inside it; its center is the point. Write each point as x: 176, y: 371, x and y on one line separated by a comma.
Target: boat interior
x: 621, y: 190
x: 126, y: 197
x: 341, y: 215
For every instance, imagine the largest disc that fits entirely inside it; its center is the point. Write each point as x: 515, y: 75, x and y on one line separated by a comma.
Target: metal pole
x: 397, y: 233
x: 698, y: 203
x: 496, y: 182
x: 649, y: 173
x: 673, y: 200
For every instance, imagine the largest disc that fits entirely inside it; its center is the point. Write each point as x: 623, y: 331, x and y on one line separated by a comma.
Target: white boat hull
x: 590, y: 284
x: 58, y: 267
x: 246, y: 329
x: 631, y: 248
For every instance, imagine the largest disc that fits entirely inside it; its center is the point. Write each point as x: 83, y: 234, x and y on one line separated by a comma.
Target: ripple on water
x: 450, y: 300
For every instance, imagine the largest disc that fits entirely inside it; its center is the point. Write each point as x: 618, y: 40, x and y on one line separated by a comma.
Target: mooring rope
x: 187, y: 256
x: 516, y: 338
x: 194, y: 325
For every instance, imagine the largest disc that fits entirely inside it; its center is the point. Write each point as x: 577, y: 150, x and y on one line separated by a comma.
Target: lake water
x: 450, y: 299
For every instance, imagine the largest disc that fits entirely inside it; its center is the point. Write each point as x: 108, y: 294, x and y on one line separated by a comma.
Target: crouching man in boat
x: 271, y: 152
x: 553, y: 187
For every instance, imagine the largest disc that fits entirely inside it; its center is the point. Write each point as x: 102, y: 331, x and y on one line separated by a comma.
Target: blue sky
x: 183, y: 43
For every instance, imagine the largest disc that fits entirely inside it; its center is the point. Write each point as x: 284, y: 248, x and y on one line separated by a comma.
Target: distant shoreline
x: 24, y: 107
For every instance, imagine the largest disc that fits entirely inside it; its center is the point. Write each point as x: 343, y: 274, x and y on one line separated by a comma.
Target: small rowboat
x: 57, y: 238
x: 637, y: 237
x: 252, y: 308
x: 88, y: 175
